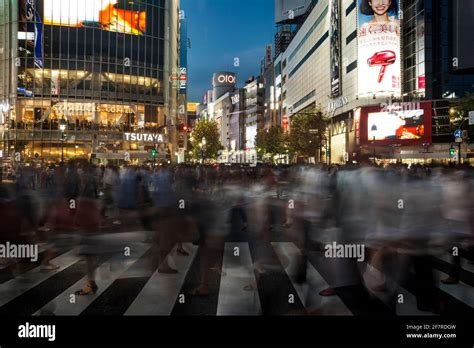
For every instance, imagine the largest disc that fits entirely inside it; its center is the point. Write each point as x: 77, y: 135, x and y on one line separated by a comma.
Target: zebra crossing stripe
x: 308, y: 292
x: 461, y: 291
x: 21, y: 284
x: 159, y: 294
x: 105, y: 276
x: 238, y: 273
x: 465, y: 265
x: 409, y: 305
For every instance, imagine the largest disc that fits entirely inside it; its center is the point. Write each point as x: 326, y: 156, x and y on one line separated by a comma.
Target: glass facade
x: 414, y: 46
x: 102, y: 66
x: 428, y: 61
x: 428, y: 51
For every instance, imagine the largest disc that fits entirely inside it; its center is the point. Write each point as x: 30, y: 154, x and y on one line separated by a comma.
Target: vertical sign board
x: 471, y: 118
x: 32, y: 16
x: 335, y: 49
x: 183, y: 60
x: 379, y: 53
x: 268, y: 56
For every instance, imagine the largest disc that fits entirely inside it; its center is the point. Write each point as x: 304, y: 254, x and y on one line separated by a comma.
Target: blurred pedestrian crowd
x: 403, y: 215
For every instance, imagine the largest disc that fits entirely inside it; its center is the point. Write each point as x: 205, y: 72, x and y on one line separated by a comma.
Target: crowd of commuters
x: 402, y: 215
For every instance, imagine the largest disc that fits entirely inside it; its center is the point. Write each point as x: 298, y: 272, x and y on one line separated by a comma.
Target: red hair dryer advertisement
x: 379, y: 48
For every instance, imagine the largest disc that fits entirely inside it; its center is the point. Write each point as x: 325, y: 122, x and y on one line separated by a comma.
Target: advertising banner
x: 192, y: 107
x: 396, y: 125
x: 183, y: 54
x: 32, y: 16
x: 401, y: 124
x: 379, y: 63
x: 335, y: 49
x: 104, y: 14
x: 183, y: 80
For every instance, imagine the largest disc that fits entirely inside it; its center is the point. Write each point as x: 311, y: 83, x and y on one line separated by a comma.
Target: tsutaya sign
x: 144, y: 137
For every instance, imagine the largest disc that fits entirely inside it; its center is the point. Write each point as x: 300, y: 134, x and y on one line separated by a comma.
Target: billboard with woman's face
x: 379, y: 63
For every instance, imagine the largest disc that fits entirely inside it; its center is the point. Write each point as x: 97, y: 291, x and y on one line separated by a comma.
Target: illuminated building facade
x: 78, y: 75
x: 389, y: 89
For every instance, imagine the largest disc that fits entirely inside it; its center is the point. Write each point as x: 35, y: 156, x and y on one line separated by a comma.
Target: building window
x: 309, y: 54
x: 351, y: 67
x: 351, y: 37
x: 304, y: 99
x: 351, y: 7
x: 309, y: 33
x: 278, y: 69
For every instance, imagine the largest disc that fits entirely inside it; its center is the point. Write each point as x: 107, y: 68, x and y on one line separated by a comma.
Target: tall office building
x: 88, y: 77
x: 283, y: 39
x: 389, y: 89
x: 438, y: 48
x: 292, y: 11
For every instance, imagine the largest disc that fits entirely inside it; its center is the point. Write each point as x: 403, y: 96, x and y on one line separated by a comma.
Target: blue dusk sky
x: 221, y: 30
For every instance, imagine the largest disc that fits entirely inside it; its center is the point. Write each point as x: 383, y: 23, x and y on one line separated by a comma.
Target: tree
x: 460, y: 112
x: 308, y: 132
x: 466, y: 104
x: 209, y: 130
x: 272, y: 141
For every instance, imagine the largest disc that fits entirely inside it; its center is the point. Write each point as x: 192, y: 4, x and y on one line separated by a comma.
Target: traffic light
x: 452, y: 152
x: 182, y: 128
x: 153, y: 153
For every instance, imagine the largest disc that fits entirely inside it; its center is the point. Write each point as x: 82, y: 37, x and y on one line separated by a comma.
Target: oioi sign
x: 226, y: 79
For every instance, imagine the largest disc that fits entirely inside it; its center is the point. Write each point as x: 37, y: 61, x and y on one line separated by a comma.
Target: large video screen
x: 396, y: 125
x: 379, y: 47
x: 406, y: 124
x: 104, y: 14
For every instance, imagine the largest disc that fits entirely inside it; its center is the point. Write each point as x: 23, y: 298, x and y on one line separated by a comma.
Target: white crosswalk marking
x: 464, y: 263
x: 159, y: 295
x: 27, y: 281
x: 461, y: 291
x: 61, y: 305
x: 309, y: 292
x: 238, y: 273
x: 409, y: 305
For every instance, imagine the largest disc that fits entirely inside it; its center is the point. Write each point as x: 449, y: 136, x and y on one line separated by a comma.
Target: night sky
x: 221, y: 30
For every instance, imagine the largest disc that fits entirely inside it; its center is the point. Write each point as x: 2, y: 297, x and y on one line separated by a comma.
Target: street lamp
x: 374, y: 129
x: 62, y: 128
